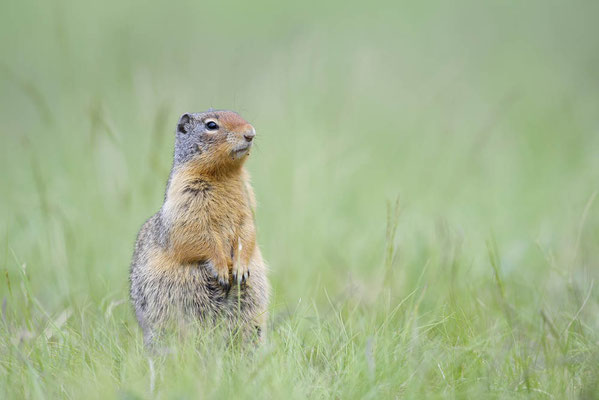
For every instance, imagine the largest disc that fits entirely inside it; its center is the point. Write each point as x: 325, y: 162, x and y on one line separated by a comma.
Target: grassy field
x: 427, y: 179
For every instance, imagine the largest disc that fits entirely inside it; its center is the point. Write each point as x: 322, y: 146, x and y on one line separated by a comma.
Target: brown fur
x: 197, y: 257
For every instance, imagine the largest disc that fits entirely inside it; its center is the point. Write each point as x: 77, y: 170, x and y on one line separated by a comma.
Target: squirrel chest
x: 200, y: 211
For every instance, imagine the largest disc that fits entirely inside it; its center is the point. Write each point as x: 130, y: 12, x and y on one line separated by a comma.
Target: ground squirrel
x: 197, y: 258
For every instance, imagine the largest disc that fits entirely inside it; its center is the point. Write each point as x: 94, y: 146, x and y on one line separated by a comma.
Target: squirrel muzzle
x: 244, y: 139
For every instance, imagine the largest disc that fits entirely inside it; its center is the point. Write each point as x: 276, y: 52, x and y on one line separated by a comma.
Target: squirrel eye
x: 211, y: 125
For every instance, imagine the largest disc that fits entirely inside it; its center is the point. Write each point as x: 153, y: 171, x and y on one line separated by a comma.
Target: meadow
x: 427, y: 178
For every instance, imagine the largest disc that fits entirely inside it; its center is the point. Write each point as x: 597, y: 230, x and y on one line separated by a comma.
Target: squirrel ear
x: 184, y: 124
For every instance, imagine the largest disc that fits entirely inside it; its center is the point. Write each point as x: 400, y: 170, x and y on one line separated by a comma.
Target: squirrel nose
x: 249, y: 136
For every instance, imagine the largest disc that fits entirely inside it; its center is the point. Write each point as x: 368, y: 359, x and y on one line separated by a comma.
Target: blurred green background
x: 483, y: 117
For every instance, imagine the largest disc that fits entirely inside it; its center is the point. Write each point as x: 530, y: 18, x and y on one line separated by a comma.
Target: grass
x: 427, y: 179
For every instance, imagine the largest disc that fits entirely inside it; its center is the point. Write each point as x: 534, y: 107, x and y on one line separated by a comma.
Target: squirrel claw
x: 224, y: 283
x: 221, y: 275
x: 240, y: 274
x: 241, y: 278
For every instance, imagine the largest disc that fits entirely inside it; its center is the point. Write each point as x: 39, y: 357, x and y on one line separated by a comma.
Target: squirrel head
x: 214, y: 141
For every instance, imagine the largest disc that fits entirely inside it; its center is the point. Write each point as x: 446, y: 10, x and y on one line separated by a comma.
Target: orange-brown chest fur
x: 203, y: 210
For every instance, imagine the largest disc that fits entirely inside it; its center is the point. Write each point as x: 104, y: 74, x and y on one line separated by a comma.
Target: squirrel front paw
x: 220, y: 273
x: 241, y: 272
